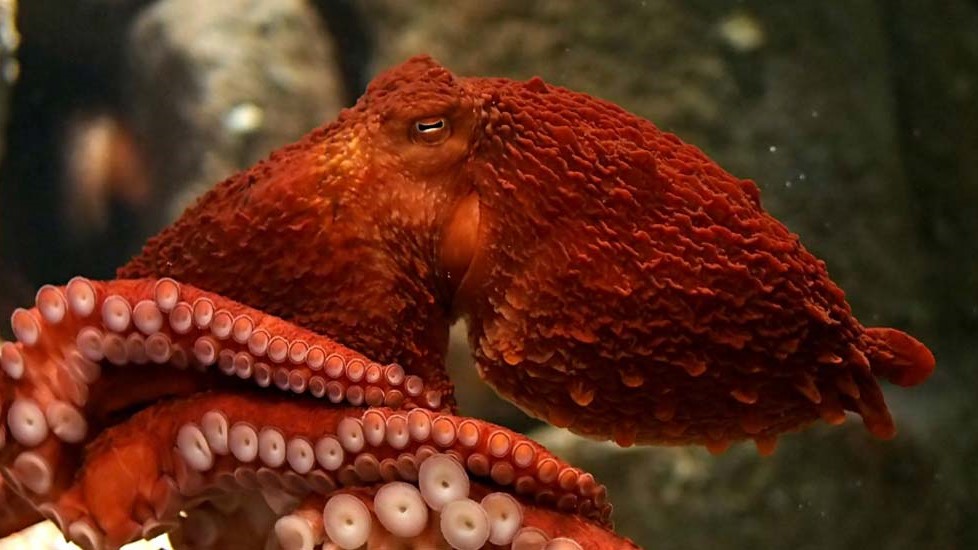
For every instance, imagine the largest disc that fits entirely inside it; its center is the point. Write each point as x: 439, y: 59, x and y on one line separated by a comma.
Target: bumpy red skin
x: 618, y: 281
x: 637, y: 253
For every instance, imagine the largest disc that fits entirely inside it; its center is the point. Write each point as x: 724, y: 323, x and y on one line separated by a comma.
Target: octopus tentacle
x: 173, y: 456
x: 367, y: 516
x: 385, y: 515
x: 303, y: 527
x: 74, y: 330
x: 89, y: 339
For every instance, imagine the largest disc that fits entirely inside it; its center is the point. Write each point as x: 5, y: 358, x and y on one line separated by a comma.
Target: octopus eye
x: 430, y: 131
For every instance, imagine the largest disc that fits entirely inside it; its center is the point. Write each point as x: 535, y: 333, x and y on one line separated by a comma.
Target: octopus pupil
x: 425, y: 127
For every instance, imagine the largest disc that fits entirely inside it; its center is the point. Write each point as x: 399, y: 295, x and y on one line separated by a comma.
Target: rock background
x: 243, y: 77
x: 832, y: 488
x: 9, y: 69
x: 9, y: 40
x: 859, y: 120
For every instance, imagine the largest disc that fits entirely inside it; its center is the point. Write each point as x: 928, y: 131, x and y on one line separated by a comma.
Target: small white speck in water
x: 244, y: 118
x: 10, y: 71
x: 773, y: 148
x: 742, y: 32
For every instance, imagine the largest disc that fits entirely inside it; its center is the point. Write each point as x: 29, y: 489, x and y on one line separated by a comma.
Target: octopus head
x: 419, y: 126
x: 399, y: 153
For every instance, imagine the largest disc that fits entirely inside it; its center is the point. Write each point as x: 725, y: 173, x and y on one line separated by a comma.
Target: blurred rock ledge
x: 9, y: 68
x: 216, y: 86
x: 126, y: 110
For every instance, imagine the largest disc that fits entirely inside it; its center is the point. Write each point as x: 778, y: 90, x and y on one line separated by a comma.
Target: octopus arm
x: 898, y: 357
x: 220, y: 446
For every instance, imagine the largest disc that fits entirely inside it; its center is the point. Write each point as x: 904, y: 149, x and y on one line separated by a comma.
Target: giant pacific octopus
x: 272, y: 364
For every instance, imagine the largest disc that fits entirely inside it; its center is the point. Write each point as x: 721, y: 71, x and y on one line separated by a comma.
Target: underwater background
x: 858, y: 119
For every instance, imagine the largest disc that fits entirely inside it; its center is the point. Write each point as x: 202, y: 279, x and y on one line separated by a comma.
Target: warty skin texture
x: 638, y: 253
x: 616, y: 280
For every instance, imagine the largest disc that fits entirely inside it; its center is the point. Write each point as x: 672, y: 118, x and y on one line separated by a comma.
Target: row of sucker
x: 402, y: 451
x: 389, y: 445
x: 440, y: 501
x: 88, y: 323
